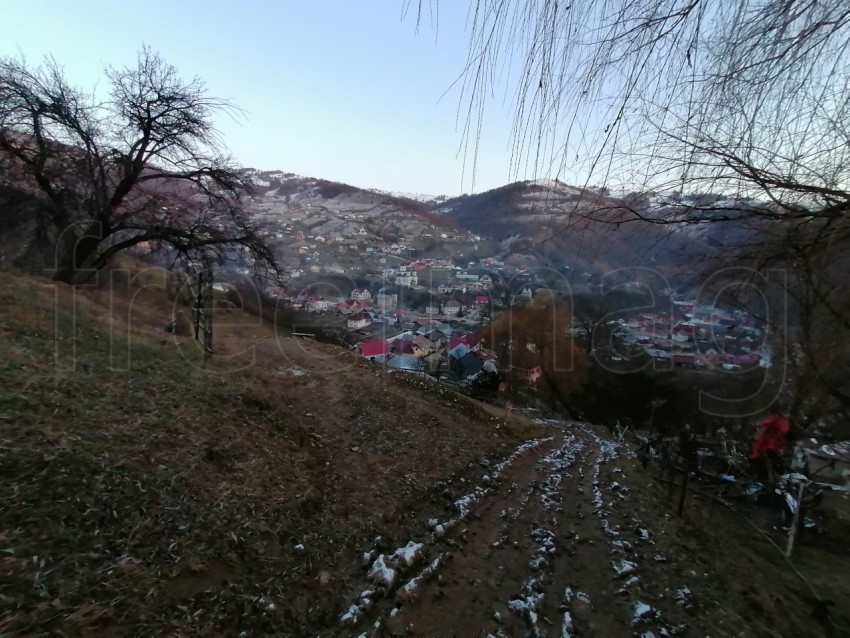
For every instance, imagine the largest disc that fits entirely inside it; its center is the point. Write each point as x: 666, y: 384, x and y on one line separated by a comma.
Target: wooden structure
x: 203, y: 308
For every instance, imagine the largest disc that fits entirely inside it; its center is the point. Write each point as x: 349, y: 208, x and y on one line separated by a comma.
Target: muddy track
x: 553, y: 542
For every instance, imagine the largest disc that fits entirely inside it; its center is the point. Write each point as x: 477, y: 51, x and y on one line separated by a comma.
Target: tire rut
x: 554, y: 546
x: 582, y: 585
x: 484, y: 553
x: 466, y: 559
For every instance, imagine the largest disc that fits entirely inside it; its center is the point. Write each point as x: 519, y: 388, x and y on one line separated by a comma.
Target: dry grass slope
x: 146, y: 494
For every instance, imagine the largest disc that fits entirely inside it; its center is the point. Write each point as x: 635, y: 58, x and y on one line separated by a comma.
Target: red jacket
x: 771, y: 435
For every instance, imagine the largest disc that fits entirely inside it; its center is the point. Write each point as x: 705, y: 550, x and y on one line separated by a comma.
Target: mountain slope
x: 287, y: 191
x: 553, y: 221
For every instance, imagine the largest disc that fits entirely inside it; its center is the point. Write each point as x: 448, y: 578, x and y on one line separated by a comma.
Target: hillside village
x: 404, y: 287
x: 411, y: 291
x: 599, y: 387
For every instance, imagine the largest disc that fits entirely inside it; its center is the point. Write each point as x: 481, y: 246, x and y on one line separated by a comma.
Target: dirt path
x: 554, y: 541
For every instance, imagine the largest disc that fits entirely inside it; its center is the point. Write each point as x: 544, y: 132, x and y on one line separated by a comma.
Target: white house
x: 385, y: 300
x: 361, y: 294
x: 407, y: 279
x: 451, y: 308
x: 358, y: 321
x: 320, y: 305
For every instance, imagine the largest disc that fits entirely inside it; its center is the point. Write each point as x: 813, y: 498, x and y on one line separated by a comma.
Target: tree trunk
x: 75, y: 258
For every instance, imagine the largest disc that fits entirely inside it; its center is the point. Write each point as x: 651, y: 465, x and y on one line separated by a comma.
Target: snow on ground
x: 385, y: 569
x: 410, y: 588
x: 290, y: 372
x: 528, y: 603
x: 556, y: 186
x: 642, y: 611
x: 683, y: 596
x: 522, y: 449
x: 465, y: 502
x: 409, y: 553
x: 624, y: 561
x: 395, y: 577
x: 557, y: 463
x: 381, y: 573
x: 624, y: 567
x: 567, y: 627
x: 419, y: 197
x: 630, y: 582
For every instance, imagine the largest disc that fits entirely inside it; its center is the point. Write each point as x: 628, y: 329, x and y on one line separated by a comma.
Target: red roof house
x: 373, y: 348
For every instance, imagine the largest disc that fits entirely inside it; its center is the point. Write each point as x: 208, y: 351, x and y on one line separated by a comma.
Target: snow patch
x: 683, y: 596
x: 567, y: 626
x: 624, y: 567
x: 642, y: 612
x: 351, y: 616
x: 522, y: 449
x: 408, y: 591
x: 409, y: 553
x: 645, y: 534
x: 528, y: 604
x: 465, y: 503
x: 381, y: 573
x: 631, y: 581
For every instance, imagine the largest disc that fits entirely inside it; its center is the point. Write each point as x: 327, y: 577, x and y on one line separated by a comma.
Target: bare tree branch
x: 105, y: 171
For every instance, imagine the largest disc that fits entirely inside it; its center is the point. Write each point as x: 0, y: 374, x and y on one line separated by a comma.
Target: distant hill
x: 566, y: 226
x: 307, y: 192
x: 540, y: 223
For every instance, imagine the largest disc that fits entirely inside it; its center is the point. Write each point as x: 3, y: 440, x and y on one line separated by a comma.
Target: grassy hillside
x: 146, y: 494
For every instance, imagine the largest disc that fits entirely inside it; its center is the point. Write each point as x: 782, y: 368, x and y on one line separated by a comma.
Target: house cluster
x: 692, y: 336
x: 466, y: 282
x: 425, y: 344
x: 383, y: 311
x: 362, y: 308
x: 407, y: 275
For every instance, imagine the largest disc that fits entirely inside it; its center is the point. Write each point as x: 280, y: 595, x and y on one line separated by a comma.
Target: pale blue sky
x: 339, y: 89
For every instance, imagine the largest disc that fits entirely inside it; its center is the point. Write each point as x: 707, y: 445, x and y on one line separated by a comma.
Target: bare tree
x: 795, y: 277
x: 144, y: 164
x: 534, y: 339
x: 743, y: 98
x: 746, y: 95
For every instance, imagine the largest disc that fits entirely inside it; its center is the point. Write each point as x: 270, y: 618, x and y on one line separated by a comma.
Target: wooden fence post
x: 204, y: 310
x: 684, y: 489
x: 794, y: 525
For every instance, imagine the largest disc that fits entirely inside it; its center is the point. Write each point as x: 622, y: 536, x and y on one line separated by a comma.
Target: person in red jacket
x: 769, y: 447
x: 771, y: 436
